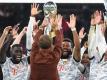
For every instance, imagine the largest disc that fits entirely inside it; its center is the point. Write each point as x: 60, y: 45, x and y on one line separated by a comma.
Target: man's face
x: 16, y: 54
x: 85, y: 59
x: 67, y: 50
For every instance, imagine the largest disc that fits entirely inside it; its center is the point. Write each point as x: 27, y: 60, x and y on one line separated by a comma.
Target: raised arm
x: 4, y: 35
x: 81, y: 38
x: 81, y: 34
x: 4, y: 46
x: 35, y: 45
x: 97, y: 44
x: 4, y: 50
x: 59, y: 36
x: 19, y: 37
x: 100, y: 42
x: 58, y: 23
x: 72, y: 26
x: 32, y: 22
x: 91, y: 36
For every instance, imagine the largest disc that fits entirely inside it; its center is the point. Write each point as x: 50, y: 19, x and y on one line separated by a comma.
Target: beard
x: 66, y: 55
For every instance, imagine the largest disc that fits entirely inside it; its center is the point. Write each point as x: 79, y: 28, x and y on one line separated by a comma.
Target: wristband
x: 73, y: 29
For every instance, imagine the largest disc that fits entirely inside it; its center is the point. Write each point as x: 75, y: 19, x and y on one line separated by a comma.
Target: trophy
x: 50, y: 10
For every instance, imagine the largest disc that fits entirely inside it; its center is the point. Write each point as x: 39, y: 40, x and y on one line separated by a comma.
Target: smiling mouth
x: 18, y: 57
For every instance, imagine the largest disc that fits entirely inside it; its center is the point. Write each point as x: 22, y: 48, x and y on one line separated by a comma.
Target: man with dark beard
x: 68, y: 63
x: 67, y: 48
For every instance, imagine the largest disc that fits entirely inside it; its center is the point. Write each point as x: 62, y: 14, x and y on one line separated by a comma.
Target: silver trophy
x: 50, y: 10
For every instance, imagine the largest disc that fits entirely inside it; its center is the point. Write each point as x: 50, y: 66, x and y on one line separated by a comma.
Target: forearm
x: 2, y: 39
x: 91, y: 42
x: 100, y: 40
x: 82, y: 51
x: 31, y: 24
x: 2, y: 57
x: 18, y: 38
x: 35, y: 45
x: 76, y: 54
x: 58, y: 38
x: 91, y: 34
x: 37, y: 36
x: 81, y: 67
x: 36, y: 40
x: 29, y: 38
x: 58, y: 43
x: 3, y: 54
x: 4, y: 49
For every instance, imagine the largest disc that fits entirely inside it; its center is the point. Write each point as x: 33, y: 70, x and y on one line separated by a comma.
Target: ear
x: 23, y: 52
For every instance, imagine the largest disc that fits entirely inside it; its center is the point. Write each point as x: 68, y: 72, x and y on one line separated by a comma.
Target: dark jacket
x: 44, y: 62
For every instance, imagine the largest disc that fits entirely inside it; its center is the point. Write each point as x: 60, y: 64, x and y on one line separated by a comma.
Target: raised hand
x: 92, y: 20
x: 96, y: 17
x: 35, y: 28
x: 34, y: 9
x: 24, y: 30
x: 14, y: 31
x: 72, y: 22
x: 45, y: 22
x: 81, y: 33
x: 59, y: 21
x: 6, y: 30
x: 56, y: 22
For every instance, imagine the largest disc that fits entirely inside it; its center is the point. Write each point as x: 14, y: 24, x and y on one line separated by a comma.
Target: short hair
x: 16, y: 45
x: 45, y: 42
x: 69, y: 40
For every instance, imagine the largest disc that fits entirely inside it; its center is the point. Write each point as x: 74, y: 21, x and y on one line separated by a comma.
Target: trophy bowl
x: 50, y: 11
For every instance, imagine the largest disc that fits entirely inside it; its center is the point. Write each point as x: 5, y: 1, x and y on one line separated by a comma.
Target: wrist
x: 41, y: 28
x: 4, y: 34
x: 73, y: 29
x: 32, y: 15
x: 60, y: 27
x: 80, y: 39
x: 93, y: 25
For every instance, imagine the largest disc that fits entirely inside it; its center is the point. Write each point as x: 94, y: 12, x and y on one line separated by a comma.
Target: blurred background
x: 13, y: 13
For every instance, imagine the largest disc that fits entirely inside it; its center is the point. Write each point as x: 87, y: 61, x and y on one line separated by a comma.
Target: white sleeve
x: 81, y: 67
x: 100, y: 41
x: 29, y: 38
x: 82, y: 51
x: 91, y: 42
